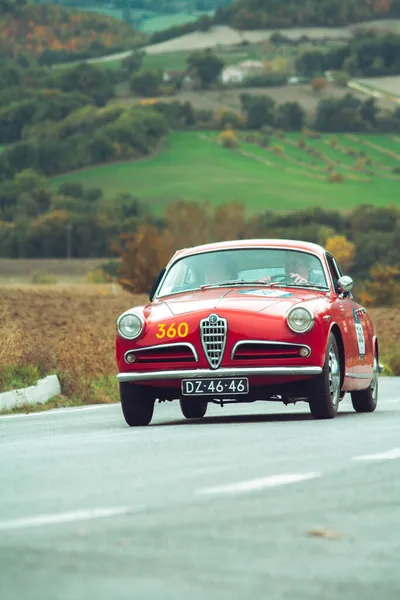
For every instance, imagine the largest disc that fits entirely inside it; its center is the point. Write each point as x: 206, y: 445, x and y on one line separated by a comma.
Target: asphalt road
x: 252, y: 502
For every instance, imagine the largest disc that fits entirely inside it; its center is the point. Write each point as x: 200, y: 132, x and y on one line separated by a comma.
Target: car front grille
x: 213, y: 332
x: 172, y: 353
x: 259, y: 350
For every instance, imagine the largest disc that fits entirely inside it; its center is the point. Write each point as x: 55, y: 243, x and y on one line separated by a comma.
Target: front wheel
x: 193, y: 409
x: 324, y: 390
x: 137, y: 404
x: 366, y: 400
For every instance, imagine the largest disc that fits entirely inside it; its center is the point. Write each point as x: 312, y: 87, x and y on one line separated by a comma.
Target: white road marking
x: 389, y: 455
x: 57, y: 411
x: 259, y: 484
x: 67, y: 517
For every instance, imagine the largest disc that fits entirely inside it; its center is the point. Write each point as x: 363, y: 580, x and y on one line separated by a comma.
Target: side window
x: 334, y: 271
x: 338, y: 269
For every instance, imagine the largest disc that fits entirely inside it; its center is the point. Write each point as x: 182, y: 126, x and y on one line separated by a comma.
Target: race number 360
x: 181, y: 330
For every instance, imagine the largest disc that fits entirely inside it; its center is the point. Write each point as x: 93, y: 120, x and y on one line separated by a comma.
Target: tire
x: 137, y: 404
x: 324, y: 390
x: 193, y: 409
x: 365, y: 401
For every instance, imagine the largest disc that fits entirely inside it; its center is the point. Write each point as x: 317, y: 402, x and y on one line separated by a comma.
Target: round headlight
x: 300, y: 320
x: 130, y: 326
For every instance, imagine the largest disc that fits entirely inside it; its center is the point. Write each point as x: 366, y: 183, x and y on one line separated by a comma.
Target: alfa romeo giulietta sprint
x: 245, y: 321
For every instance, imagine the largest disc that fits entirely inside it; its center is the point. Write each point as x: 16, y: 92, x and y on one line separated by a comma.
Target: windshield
x: 263, y: 266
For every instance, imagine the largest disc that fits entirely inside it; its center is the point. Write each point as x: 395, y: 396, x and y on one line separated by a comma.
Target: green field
x: 193, y: 167
x: 148, y: 21
x: 230, y: 55
x: 160, y: 22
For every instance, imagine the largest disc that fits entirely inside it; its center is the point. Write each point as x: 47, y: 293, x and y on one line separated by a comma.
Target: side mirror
x: 345, y: 284
x: 156, y: 283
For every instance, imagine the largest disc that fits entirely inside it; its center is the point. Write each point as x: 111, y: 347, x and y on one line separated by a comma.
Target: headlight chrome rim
x: 310, y: 324
x: 130, y: 314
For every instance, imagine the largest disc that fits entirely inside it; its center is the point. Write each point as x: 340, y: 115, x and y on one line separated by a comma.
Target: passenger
x: 219, y: 269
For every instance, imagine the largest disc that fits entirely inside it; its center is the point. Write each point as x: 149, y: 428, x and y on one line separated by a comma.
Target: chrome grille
x: 213, y: 331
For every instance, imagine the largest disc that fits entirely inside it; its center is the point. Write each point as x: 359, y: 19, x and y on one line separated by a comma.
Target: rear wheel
x: 137, y: 404
x: 193, y: 409
x: 324, y: 390
x: 366, y: 400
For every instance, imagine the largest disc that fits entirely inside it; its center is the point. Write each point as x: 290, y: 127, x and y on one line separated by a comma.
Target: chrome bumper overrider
x: 217, y: 373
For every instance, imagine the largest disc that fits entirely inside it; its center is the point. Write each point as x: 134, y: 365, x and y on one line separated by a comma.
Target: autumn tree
x: 228, y: 139
x: 143, y: 254
x: 146, y: 251
x: 383, y: 289
x: 342, y: 249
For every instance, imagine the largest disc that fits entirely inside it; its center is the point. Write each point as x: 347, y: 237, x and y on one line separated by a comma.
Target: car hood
x: 249, y: 299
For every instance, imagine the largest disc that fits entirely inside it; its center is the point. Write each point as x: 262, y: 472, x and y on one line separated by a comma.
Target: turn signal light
x: 304, y: 352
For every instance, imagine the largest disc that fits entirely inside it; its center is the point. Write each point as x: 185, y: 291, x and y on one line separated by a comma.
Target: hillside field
x: 193, y: 166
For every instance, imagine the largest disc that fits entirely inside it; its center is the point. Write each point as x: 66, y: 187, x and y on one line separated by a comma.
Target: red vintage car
x: 248, y: 320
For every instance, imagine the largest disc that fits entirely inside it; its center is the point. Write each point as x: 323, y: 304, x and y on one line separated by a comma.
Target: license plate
x: 220, y: 387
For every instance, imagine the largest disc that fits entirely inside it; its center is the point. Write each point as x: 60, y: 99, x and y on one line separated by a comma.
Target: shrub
x: 334, y: 142
x: 335, y: 177
x: 228, y: 139
x: 279, y: 151
x: 229, y: 119
x: 318, y: 84
x: 301, y: 143
x: 359, y: 164
x: 383, y: 289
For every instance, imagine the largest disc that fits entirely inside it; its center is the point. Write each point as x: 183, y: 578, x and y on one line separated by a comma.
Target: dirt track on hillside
x: 226, y: 36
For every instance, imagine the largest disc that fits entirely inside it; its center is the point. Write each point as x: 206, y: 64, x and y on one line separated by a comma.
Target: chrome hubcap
x: 374, y: 382
x: 334, y: 376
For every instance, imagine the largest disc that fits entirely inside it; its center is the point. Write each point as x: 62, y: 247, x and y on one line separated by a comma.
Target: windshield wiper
x: 319, y: 286
x: 237, y: 282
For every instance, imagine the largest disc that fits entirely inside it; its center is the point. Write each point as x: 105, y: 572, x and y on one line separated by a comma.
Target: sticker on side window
x: 359, y: 334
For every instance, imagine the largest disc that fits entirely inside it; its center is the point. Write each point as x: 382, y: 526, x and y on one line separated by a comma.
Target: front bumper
x: 221, y: 372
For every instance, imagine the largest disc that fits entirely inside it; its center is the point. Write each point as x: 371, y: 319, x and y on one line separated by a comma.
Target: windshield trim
x: 173, y: 262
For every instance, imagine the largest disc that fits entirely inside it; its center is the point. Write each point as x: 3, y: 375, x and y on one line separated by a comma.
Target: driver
x: 297, y: 268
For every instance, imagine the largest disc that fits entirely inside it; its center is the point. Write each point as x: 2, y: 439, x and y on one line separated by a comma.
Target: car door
x: 358, y: 343
x: 344, y: 307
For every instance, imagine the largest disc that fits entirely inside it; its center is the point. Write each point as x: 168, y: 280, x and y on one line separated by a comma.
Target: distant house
x: 173, y: 75
x: 238, y: 73
x: 233, y: 75
x: 249, y: 65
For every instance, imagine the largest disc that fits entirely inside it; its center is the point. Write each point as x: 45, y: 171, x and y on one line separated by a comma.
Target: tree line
x: 275, y: 14
x: 55, y: 34
x: 369, y: 54
x: 38, y: 222
x: 366, y: 242
x: 264, y: 14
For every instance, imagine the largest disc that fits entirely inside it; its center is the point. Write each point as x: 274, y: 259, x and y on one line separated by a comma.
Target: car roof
x: 253, y: 243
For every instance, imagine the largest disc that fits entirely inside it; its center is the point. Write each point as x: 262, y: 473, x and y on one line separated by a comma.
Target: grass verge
x: 102, y: 390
